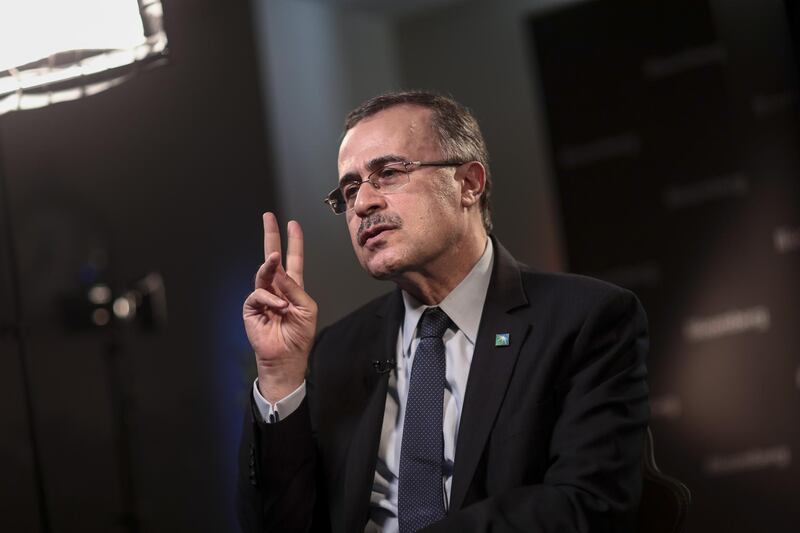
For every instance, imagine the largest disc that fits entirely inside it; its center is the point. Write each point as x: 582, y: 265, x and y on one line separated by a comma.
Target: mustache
x: 389, y: 219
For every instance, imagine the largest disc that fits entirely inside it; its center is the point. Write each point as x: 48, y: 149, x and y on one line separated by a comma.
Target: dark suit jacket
x: 551, y: 429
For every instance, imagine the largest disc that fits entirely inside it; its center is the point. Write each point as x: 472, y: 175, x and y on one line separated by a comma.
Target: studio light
x: 53, y: 51
x: 57, y: 50
x: 143, y: 302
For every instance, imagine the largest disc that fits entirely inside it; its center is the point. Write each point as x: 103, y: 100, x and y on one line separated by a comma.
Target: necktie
x: 420, y: 498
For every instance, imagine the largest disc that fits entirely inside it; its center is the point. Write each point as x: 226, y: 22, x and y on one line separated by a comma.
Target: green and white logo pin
x: 502, y: 339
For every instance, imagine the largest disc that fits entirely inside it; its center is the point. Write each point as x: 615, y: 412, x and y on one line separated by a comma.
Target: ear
x: 473, y: 183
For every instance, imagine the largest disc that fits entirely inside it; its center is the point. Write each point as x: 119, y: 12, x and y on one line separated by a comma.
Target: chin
x: 382, y: 266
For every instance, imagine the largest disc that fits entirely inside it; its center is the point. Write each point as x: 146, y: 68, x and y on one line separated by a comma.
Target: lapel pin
x: 502, y: 339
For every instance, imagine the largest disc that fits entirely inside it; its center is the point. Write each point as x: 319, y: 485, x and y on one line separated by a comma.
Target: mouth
x: 372, y: 232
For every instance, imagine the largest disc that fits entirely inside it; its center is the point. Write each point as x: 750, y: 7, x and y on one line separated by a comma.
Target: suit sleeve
x: 593, y: 481
x: 278, y: 487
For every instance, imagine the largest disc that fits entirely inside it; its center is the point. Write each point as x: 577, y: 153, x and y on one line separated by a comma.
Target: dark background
x: 168, y: 172
x: 674, y: 131
x: 654, y: 145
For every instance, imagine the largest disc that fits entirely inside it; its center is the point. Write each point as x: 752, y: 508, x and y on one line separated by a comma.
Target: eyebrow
x: 372, y: 166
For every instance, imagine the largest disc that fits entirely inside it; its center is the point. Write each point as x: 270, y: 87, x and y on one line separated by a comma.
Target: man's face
x: 412, y: 228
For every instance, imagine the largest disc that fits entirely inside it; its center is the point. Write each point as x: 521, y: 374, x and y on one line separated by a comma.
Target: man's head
x: 432, y: 225
x: 456, y: 130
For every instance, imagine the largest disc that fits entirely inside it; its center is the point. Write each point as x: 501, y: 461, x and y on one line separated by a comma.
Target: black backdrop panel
x: 674, y: 136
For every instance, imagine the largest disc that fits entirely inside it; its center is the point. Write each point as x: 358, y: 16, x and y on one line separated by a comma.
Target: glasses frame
x: 335, y: 197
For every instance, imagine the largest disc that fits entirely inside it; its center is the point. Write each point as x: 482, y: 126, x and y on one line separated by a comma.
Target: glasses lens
x: 336, y: 202
x: 390, y: 177
x: 348, y: 192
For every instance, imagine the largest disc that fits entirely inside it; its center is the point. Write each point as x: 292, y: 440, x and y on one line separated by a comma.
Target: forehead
x: 403, y: 130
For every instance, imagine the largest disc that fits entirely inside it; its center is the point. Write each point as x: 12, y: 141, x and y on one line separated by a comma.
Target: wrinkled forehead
x: 401, y: 131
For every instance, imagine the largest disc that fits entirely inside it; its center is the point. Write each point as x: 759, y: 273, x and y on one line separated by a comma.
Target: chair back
x: 665, y: 500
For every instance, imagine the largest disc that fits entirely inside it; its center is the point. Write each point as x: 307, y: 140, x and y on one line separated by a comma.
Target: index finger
x: 294, y: 252
x: 272, y: 235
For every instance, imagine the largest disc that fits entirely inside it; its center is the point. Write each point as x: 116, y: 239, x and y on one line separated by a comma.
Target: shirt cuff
x: 283, y: 408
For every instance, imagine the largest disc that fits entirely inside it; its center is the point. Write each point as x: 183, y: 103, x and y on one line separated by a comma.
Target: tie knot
x: 434, y: 323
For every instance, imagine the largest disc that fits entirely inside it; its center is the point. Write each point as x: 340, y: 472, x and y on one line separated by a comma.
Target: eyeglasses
x: 387, y: 179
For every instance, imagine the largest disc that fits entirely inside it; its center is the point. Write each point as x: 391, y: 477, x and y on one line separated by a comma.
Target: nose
x: 368, y: 199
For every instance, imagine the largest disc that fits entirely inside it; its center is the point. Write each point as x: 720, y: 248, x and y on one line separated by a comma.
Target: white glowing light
x: 50, y: 48
x: 99, y: 294
x: 124, y: 307
x: 31, y: 30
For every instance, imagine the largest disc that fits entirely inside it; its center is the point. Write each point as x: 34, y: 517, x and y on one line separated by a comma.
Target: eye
x: 390, y: 173
x: 349, y: 190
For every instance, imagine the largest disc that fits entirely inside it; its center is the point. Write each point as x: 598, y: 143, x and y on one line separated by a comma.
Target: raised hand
x: 279, y: 317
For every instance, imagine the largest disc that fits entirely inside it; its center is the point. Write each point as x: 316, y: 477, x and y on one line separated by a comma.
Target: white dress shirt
x: 464, y: 306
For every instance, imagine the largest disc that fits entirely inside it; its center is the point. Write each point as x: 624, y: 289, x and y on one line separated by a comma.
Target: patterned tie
x: 420, y: 498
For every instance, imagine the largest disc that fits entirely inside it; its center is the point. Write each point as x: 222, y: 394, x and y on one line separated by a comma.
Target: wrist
x: 276, y: 383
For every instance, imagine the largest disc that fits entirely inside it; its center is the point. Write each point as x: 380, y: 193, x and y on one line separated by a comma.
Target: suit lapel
x: 491, y: 369
x: 363, y: 451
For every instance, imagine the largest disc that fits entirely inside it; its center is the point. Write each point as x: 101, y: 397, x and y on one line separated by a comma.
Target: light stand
x: 95, y: 309
x: 145, y: 304
x: 16, y: 330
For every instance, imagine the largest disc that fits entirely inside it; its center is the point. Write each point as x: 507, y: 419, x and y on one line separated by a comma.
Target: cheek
x: 437, y: 211
x: 352, y: 226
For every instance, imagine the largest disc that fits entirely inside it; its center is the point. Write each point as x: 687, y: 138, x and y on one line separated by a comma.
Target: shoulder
x: 576, y: 288
x: 551, y: 293
x: 574, y: 297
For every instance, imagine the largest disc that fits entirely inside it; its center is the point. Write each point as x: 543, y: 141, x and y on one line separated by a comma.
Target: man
x: 478, y: 396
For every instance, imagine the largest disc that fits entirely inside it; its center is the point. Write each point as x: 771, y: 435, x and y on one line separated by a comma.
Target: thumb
x: 291, y: 290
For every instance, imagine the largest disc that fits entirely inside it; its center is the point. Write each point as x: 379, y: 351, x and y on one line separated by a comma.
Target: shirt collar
x: 464, y: 304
